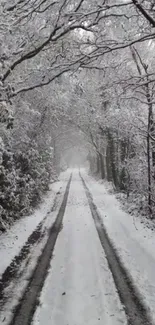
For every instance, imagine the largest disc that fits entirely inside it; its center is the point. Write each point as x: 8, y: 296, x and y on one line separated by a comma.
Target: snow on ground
x: 18, y: 284
x: 134, y: 242
x: 79, y: 288
x: 12, y: 241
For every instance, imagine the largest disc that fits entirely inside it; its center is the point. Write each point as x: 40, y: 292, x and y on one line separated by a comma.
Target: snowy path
x: 79, y: 288
x: 134, y: 242
x: 21, y: 246
x: 86, y: 278
x: 12, y: 241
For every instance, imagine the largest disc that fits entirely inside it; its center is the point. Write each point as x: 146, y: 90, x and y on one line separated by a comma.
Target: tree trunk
x: 102, y: 167
x: 112, y: 158
x: 122, y: 173
x: 149, y: 153
x: 108, y: 164
x: 98, y: 164
x: 149, y: 176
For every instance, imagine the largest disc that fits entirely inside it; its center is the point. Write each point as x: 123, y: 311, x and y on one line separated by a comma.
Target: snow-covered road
x: 134, y: 242
x: 79, y: 288
x: 97, y: 273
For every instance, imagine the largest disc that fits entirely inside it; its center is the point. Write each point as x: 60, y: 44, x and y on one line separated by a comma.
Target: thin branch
x: 144, y: 12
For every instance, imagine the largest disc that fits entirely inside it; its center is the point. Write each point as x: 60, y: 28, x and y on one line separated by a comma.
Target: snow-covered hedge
x: 26, y: 165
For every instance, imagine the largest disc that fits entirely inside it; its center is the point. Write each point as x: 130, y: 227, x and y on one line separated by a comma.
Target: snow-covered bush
x: 26, y: 164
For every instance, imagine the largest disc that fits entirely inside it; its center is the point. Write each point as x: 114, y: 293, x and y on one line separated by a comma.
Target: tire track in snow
x: 136, y: 311
x: 11, y: 272
x: 24, y: 311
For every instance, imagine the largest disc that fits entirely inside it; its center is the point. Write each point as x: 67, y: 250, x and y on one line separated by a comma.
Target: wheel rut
x: 25, y: 309
x: 11, y: 273
x: 135, y: 309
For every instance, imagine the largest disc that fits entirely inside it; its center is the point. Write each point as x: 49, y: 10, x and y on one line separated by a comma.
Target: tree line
x: 75, y: 65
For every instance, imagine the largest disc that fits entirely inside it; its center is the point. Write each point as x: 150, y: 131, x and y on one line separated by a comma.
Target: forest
x: 76, y: 75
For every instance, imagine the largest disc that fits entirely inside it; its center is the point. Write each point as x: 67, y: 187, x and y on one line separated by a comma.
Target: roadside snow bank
x: 13, y: 240
x: 134, y: 242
